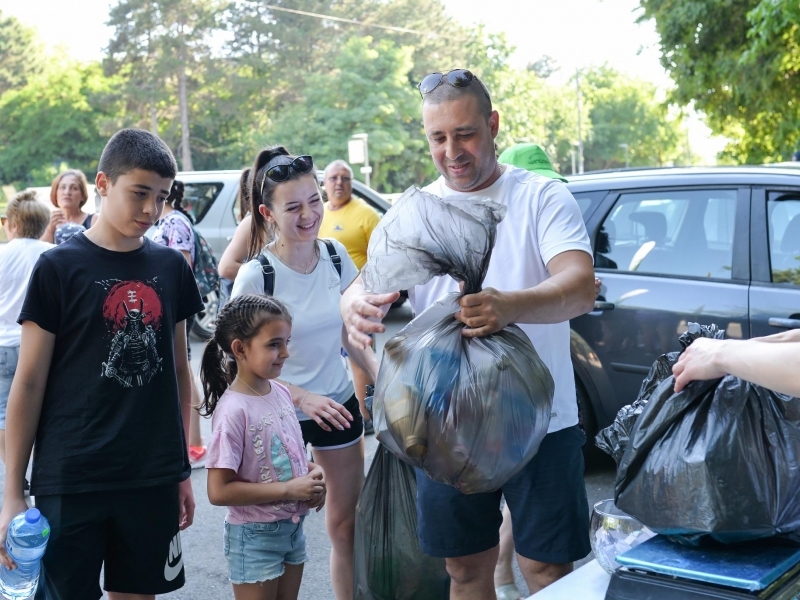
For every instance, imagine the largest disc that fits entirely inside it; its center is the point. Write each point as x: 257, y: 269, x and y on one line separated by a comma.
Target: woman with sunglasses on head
x: 309, y: 275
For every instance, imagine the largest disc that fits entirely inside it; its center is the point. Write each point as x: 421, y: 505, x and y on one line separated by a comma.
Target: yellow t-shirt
x: 352, y: 225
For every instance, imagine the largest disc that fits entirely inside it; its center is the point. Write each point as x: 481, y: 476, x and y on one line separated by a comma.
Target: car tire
x: 205, y: 319
x: 587, y: 421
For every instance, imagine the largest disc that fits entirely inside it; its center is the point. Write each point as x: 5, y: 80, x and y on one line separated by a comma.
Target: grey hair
x: 337, y: 163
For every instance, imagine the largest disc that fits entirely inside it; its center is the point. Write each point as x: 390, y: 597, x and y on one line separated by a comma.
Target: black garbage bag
x: 389, y: 564
x: 470, y: 412
x: 719, y: 459
x: 614, y: 439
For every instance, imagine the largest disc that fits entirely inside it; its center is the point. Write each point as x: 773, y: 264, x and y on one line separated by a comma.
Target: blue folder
x: 751, y: 565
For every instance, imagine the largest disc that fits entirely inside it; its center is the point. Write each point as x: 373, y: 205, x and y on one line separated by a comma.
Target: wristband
x: 303, y: 399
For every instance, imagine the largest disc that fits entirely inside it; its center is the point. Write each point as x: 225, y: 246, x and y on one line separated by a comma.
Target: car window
x: 583, y: 203
x: 681, y: 233
x: 784, y: 239
x: 198, y: 198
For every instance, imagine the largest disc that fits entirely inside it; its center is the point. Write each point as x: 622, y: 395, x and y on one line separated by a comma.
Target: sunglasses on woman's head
x: 459, y: 78
x: 279, y: 173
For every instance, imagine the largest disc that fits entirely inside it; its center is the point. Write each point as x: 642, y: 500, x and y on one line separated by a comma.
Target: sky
x: 576, y: 33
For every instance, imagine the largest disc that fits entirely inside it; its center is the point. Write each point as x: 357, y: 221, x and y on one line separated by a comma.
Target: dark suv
x: 673, y: 246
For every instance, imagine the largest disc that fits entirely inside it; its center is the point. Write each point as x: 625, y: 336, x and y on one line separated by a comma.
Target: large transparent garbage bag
x: 719, y: 459
x: 614, y: 439
x: 389, y: 564
x: 470, y: 412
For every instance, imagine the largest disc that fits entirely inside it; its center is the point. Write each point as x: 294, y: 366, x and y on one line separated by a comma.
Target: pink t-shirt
x: 258, y: 437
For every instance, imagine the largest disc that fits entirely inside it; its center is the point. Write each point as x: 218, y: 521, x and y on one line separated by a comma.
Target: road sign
x: 355, y: 150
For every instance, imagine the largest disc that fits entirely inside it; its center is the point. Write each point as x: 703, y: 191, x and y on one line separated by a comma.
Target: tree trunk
x: 186, y: 152
x: 153, y: 116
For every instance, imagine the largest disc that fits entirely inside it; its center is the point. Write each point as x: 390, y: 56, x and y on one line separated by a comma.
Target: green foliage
x: 20, y: 54
x: 624, y: 110
x: 256, y: 75
x: 366, y: 91
x: 64, y: 115
x: 736, y: 61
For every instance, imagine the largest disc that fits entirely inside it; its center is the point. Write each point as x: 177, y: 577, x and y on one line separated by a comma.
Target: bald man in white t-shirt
x: 540, y: 276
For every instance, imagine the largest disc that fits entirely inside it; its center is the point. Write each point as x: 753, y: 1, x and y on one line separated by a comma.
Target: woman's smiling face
x: 296, y: 209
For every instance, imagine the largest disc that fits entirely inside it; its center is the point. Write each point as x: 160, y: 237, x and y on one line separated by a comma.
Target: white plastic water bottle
x: 27, y: 538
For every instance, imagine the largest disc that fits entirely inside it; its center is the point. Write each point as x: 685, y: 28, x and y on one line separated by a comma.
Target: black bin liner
x: 470, y: 412
x: 389, y: 564
x: 720, y: 459
x: 614, y: 439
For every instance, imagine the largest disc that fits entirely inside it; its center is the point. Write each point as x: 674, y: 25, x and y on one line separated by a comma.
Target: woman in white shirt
x: 287, y: 206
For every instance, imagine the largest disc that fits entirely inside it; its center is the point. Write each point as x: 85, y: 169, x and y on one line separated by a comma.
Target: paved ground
x: 202, y: 543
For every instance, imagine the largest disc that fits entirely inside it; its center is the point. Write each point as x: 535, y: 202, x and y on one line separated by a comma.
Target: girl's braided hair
x: 240, y: 319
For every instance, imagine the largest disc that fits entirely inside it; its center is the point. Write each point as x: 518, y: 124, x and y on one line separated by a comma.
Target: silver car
x: 212, y: 198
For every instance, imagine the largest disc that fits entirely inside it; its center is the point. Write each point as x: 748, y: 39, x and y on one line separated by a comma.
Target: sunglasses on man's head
x: 459, y: 78
x: 278, y: 173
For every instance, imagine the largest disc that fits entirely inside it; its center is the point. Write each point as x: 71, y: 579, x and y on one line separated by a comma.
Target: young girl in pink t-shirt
x: 256, y: 461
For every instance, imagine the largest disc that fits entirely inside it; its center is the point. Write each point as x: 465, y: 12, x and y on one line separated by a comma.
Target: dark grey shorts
x: 547, y: 500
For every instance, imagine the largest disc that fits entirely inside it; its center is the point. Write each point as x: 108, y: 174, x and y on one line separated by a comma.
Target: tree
x: 736, y: 61
x: 366, y: 91
x: 20, y: 54
x: 62, y: 117
x: 160, y: 45
x: 625, y: 111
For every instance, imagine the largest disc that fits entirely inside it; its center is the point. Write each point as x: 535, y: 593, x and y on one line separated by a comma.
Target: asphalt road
x: 206, y: 577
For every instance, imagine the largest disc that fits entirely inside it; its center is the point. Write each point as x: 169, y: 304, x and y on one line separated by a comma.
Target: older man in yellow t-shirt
x: 351, y: 221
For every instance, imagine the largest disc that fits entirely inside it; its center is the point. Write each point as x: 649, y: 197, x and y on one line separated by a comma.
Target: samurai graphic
x: 133, y: 356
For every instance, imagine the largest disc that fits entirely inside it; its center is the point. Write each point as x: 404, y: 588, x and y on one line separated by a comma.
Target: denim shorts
x: 547, y: 500
x: 257, y: 552
x: 8, y: 366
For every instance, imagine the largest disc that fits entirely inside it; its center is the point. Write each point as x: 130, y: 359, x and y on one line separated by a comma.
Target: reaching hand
x: 362, y: 313
x: 698, y: 362
x: 324, y: 411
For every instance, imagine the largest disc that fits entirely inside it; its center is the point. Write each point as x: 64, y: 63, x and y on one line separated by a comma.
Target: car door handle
x: 784, y: 323
x: 598, y: 305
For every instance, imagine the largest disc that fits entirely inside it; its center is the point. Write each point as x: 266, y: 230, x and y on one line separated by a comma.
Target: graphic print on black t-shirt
x: 132, y: 314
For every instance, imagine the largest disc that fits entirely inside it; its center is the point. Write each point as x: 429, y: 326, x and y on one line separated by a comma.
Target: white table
x: 587, y: 583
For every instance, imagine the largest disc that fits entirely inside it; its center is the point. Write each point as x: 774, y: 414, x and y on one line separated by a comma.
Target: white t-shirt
x: 17, y: 259
x: 315, y: 362
x: 543, y: 220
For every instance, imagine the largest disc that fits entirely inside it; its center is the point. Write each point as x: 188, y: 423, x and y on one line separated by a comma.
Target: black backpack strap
x: 269, y: 274
x: 335, y: 258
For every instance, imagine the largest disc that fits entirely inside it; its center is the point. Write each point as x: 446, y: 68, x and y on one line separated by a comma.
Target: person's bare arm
x: 362, y: 312
x: 771, y: 363
x: 363, y: 357
x: 22, y: 419
x: 236, y: 253
x: 566, y: 294
x: 321, y: 409
x: 224, y: 490
x: 56, y: 219
x: 184, y: 373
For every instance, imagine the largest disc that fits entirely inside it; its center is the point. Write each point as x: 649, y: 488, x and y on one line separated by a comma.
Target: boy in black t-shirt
x: 103, y: 387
